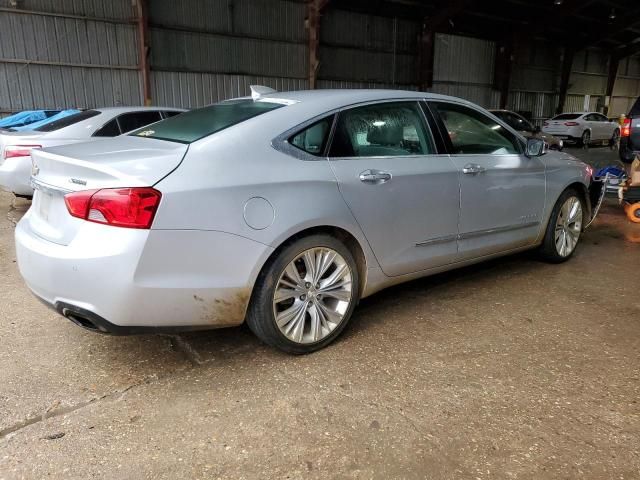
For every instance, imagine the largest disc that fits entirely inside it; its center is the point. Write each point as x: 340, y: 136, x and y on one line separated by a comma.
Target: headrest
x: 385, y: 135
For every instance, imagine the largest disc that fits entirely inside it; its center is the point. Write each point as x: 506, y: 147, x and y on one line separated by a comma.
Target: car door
x: 594, y: 124
x: 607, y: 127
x: 502, y: 192
x: 403, y: 194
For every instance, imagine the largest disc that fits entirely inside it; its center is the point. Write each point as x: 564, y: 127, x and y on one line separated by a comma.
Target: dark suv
x: 630, y: 135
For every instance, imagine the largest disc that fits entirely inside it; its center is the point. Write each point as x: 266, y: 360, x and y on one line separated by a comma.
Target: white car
x: 96, y: 124
x: 583, y: 128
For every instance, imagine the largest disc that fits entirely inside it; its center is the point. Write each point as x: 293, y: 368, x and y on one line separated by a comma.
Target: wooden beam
x: 426, y: 55
x: 614, y: 63
x: 626, y: 20
x: 505, y: 56
x: 142, y: 21
x: 314, y: 12
x: 565, y: 75
x: 627, y: 51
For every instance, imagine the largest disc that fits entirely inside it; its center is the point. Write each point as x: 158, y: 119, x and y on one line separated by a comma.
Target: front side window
x: 193, y: 125
x: 381, y: 130
x: 313, y: 139
x: 133, y: 120
x: 472, y: 132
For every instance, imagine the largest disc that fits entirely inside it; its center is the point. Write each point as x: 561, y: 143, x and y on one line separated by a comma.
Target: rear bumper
x: 142, y: 281
x: 15, y: 175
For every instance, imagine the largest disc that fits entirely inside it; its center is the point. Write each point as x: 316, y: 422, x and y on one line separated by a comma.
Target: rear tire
x: 615, y: 139
x: 564, y: 228
x: 305, y: 295
x: 585, y: 139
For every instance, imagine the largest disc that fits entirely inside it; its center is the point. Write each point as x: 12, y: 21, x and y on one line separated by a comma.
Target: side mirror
x: 535, y: 147
x: 536, y: 130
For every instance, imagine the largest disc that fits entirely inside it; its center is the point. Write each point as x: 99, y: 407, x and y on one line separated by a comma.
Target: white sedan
x: 583, y: 128
x: 84, y: 126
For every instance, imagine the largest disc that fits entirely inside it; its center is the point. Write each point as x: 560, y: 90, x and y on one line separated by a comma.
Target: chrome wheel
x: 568, y: 226
x: 312, y: 295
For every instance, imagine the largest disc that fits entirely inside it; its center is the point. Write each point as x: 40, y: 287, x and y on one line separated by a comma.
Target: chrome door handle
x: 473, y: 168
x: 374, y: 176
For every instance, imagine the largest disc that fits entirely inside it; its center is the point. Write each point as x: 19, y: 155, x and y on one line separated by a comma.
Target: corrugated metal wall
x: 84, y: 53
x: 67, y: 54
x: 463, y: 67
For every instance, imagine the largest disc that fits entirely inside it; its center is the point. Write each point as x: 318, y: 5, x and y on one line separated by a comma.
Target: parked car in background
x: 39, y: 123
x: 286, y: 209
x: 526, y: 129
x: 20, y: 119
x: 583, y: 128
x: 96, y: 124
x: 630, y: 136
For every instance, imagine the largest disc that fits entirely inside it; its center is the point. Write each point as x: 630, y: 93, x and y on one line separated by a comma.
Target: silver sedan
x: 285, y: 209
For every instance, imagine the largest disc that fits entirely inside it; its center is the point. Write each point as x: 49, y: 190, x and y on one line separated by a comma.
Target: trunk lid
x: 120, y: 162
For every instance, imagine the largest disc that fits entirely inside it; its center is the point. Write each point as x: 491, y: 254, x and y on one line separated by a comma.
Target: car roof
x: 118, y: 110
x: 334, y: 98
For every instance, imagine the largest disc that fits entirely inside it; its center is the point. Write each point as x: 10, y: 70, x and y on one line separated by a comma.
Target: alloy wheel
x: 312, y: 295
x: 568, y: 226
x: 586, y: 139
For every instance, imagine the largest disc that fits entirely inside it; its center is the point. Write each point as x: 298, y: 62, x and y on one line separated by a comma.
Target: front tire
x: 305, y: 295
x: 564, y: 229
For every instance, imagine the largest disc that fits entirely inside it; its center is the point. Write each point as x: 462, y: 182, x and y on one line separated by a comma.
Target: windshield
x: 196, y: 124
x: 66, y: 121
x: 567, y: 116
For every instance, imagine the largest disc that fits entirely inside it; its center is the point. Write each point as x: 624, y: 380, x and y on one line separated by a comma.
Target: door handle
x: 374, y: 176
x: 473, y: 168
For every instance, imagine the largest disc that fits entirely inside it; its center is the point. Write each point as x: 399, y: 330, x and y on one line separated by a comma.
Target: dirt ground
x: 510, y: 369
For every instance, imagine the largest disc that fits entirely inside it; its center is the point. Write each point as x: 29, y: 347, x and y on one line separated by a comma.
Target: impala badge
x: 78, y: 182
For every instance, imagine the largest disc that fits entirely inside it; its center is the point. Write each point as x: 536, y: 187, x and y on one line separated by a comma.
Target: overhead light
x: 557, y: 2
x: 612, y: 15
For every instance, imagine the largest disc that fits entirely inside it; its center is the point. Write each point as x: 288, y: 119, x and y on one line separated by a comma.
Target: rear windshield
x: 567, y: 116
x: 196, y: 124
x: 66, y: 121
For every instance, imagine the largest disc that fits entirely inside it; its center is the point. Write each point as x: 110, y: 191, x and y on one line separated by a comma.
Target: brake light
x: 571, y: 124
x: 626, y: 128
x: 12, y: 151
x: 119, y: 207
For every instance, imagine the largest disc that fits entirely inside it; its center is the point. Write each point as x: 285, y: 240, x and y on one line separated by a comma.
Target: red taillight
x: 120, y: 207
x: 626, y: 128
x: 12, y: 151
x: 571, y: 124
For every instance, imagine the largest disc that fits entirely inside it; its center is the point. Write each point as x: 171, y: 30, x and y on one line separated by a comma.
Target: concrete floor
x: 511, y: 369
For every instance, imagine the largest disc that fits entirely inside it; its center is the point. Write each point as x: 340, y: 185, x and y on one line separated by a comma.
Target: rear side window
x: 382, y: 130
x: 313, y: 139
x: 472, y: 132
x: 170, y: 113
x: 196, y: 124
x: 567, y: 116
x: 67, y: 121
x: 134, y: 120
x: 110, y: 129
